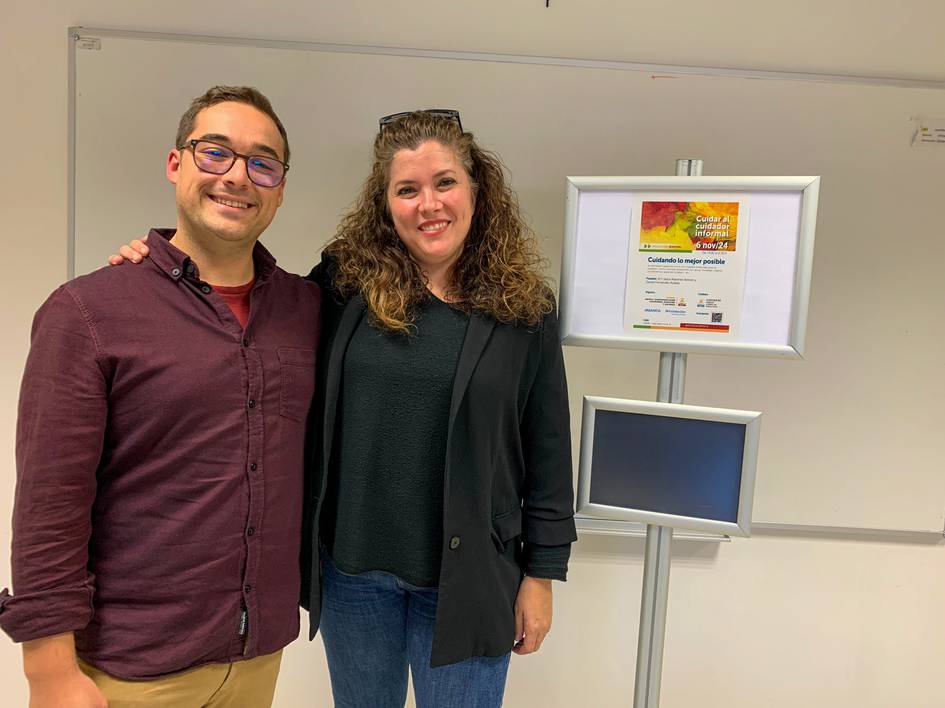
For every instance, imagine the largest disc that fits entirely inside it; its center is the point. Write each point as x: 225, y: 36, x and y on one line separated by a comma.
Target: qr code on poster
x: 716, y: 316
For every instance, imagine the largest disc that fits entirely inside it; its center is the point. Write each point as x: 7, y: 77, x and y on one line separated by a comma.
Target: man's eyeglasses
x: 445, y: 113
x: 219, y: 159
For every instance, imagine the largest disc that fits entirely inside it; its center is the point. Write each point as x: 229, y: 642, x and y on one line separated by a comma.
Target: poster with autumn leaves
x: 689, y: 226
x: 686, y: 274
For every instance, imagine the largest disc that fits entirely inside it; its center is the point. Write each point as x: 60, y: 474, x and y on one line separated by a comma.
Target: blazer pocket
x: 297, y: 371
x: 505, y: 527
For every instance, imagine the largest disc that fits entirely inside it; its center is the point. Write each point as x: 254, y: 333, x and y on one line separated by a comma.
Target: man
x: 160, y: 446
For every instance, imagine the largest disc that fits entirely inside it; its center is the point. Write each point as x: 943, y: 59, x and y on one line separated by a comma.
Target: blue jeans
x: 374, y: 626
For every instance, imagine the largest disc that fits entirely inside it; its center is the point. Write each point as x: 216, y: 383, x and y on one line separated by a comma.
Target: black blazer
x: 508, y: 470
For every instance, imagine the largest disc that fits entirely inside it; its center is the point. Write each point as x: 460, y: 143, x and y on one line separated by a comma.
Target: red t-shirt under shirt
x: 237, y: 299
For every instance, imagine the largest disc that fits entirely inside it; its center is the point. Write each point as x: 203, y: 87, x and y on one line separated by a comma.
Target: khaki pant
x: 243, y: 684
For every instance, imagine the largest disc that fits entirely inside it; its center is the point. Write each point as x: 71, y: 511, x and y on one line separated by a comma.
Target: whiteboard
x: 848, y: 429
x: 779, y: 238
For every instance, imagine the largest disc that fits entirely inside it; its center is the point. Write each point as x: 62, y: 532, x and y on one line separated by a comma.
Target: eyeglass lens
x: 217, y: 159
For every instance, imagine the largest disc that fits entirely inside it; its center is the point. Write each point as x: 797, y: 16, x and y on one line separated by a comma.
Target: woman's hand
x: 532, y: 614
x: 135, y: 252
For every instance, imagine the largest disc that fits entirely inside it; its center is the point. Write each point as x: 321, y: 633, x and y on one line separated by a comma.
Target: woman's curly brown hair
x: 498, y: 272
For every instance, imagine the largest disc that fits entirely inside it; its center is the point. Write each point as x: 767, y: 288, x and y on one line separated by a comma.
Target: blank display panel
x: 679, y: 466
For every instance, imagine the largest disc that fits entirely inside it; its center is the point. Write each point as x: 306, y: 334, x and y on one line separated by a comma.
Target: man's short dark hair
x: 221, y: 94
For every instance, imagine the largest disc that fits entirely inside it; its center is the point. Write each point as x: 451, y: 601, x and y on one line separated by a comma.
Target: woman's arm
x: 548, y: 492
x: 548, y: 496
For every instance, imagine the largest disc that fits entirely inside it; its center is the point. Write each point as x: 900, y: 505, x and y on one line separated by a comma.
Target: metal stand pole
x: 670, y: 389
x: 646, y: 691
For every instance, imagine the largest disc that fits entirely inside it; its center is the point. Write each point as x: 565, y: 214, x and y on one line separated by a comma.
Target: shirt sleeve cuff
x: 547, y: 562
x: 29, y: 616
x: 549, y: 532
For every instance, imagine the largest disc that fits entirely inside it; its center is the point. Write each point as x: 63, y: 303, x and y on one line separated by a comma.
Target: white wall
x: 816, y: 621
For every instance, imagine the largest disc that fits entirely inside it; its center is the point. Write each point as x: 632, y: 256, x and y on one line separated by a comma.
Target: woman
x: 439, y: 505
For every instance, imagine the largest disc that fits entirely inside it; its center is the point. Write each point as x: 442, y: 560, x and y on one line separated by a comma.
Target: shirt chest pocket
x: 297, y: 373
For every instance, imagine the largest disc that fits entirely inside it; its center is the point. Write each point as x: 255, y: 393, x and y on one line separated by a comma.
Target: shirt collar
x: 177, y: 264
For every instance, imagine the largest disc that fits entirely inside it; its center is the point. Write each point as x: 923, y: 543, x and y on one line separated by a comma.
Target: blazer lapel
x: 477, y: 335
x: 350, y: 318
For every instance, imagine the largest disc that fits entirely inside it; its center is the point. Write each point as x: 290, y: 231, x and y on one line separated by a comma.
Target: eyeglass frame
x: 192, y: 144
x: 445, y: 113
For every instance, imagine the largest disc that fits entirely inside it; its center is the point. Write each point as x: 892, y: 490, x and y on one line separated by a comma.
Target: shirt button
x: 250, y: 531
x: 176, y: 272
x: 252, y: 402
x: 190, y: 269
x: 454, y: 543
x: 205, y: 289
x: 247, y: 588
x: 245, y: 342
x: 252, y: 466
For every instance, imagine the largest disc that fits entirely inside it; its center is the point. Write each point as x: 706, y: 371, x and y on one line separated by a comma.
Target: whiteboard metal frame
x: 79, y: 31
x: 750, y: 419
x: 807, y: 187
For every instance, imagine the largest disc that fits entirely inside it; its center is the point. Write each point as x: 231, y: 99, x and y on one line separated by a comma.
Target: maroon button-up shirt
x: 159, y: 466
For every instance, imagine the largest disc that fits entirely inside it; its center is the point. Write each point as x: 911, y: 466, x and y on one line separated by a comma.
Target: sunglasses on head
x: 445, y: 113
